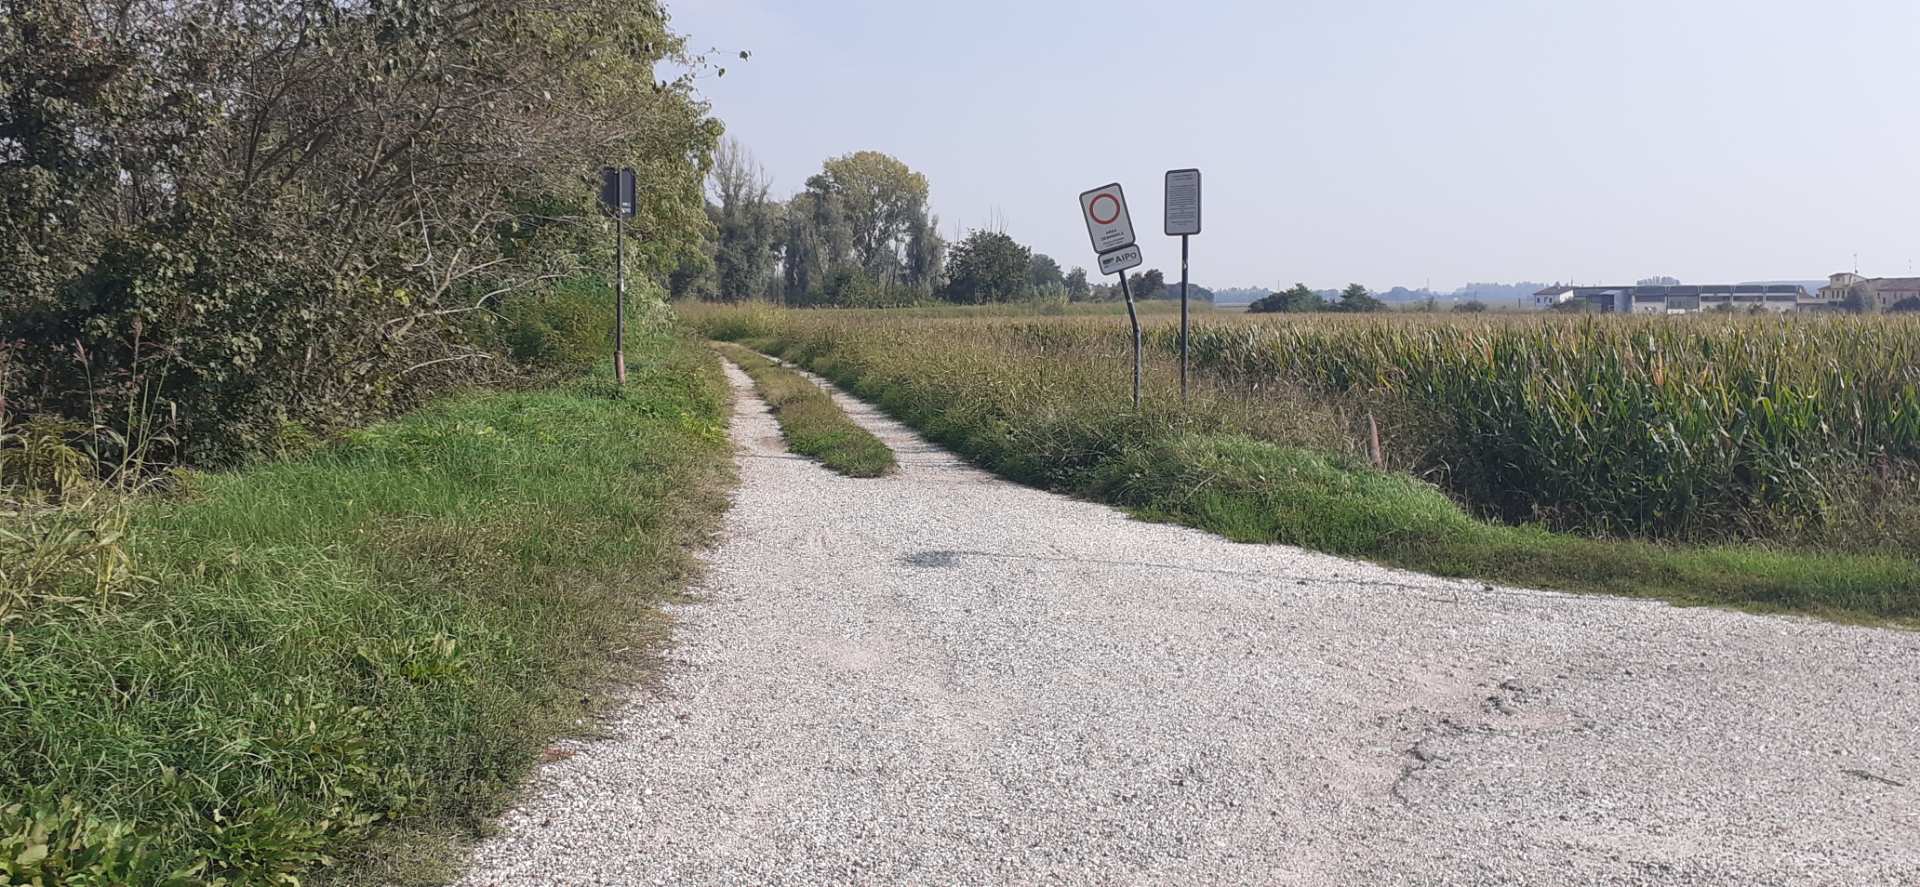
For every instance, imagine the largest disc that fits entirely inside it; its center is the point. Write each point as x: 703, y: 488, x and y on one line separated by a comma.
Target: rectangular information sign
x: 1120, y: 260
x: 617, y: 192
x: 1183, y: 202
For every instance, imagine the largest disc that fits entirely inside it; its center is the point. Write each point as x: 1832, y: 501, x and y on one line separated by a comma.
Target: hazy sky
x: 1383, y: 141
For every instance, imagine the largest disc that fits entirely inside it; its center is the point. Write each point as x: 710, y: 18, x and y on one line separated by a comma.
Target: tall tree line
x: 860, y: 232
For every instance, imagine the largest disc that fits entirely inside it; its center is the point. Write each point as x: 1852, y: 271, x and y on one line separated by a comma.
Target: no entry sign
x: 1108, y: 224
x: 1111, y: 230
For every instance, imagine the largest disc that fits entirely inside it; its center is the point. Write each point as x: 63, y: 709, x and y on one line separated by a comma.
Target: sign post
x: 1183, y: 221
x: 1111, y: 230
x: 617, y: 193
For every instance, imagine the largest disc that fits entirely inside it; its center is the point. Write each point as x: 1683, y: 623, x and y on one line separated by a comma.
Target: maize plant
x: 1651, y: 427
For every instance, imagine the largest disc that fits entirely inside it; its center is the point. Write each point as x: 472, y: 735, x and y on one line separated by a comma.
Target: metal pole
x: 619, y: 297
x: 1183, y: 318
x: 1134, y: 319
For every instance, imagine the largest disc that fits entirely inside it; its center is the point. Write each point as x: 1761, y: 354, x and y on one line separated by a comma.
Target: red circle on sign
x: 1093, y: 209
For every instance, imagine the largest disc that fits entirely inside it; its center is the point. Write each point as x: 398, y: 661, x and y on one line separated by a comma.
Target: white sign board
x: 1120, y: 260
x: 1107, y: 220
x: 1183, y: 202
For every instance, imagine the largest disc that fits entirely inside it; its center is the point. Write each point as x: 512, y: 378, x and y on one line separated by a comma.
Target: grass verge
x: 386, y: 631
x: 814, y: 425
x: 1034, y: 407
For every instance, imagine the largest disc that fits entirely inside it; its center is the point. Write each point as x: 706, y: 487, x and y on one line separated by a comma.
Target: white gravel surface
x: 943, y: 678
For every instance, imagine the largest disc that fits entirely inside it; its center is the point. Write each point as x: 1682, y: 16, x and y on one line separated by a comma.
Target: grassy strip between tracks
x: 1048, y: 420
x: 814, y: 425
x: 387, y: 631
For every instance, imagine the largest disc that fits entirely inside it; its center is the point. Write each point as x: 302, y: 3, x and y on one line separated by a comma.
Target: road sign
x: 1111, y: 230
x: 617, y: 191
x: 1183, y: 202
x: 617, y: 197
x: 1120, y: 260
x: 1183, y: 221
x: 1107, y: 221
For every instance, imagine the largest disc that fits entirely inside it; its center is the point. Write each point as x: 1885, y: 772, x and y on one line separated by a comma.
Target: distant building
x: 1872, y: 293
x: 1680, y: 299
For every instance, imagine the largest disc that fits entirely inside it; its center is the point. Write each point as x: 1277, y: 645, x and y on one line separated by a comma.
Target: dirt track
x: 944, y: 678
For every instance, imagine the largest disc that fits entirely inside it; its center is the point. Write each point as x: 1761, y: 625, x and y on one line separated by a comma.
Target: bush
x: 850, y: 288
x: 234, y: 259
x: 569, y: 329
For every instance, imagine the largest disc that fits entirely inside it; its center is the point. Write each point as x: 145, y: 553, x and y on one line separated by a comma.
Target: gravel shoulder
x: 940, y: 677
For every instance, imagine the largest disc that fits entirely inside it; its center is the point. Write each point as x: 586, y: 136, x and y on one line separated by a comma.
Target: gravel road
x: 943, y: 678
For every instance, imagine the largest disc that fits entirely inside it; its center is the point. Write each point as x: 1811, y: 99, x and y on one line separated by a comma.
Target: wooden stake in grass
x: 814, y: 425
x: 1373, y: 443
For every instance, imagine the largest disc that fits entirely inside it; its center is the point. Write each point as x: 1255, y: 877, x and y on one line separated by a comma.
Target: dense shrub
x: 853, y: 288
x: 570, y: 328
x: 302, y: 210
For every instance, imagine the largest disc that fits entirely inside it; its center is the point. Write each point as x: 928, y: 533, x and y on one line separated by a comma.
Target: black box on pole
x: 617, y: 191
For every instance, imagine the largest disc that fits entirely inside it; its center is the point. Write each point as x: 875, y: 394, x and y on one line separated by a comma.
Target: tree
x: 1470, y: 306
x: 1298, y: 300
x: 864, y: 210
x: 1907, y: 305
x: 885, y: 207
x: 1150, y: 284
x: 987, y: 266
x: 1658, y: 281
x: 817, y: 241
x: 926, y: 255
x: 746, y: 224
x: 1043, y: 273
x: 1356, y: 299
x: 1078, y: 289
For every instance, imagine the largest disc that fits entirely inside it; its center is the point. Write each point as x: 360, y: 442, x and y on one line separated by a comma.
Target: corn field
x: 1650, y: 427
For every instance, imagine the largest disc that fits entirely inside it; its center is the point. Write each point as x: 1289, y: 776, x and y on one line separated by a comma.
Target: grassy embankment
x: 386, y: 631
x: 1045, y: 402
x: 813, y: 424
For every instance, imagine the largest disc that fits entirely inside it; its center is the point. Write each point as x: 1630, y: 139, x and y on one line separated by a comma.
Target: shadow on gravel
x: 931, y: 560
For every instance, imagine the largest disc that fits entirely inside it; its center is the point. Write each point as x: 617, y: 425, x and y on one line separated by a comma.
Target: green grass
x: 813, y: 424
x: 1253, y: 491
x: 1046, y: 405
x: 385, y: 632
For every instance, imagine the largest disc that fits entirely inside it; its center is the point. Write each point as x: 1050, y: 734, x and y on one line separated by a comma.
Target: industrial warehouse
x: 1844, y: 292
x: 1680, y: 299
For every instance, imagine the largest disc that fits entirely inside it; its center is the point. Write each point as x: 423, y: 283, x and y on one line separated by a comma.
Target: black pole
x: 1183, y: 318
x: 1134, y: 319
x: 619, y: 296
